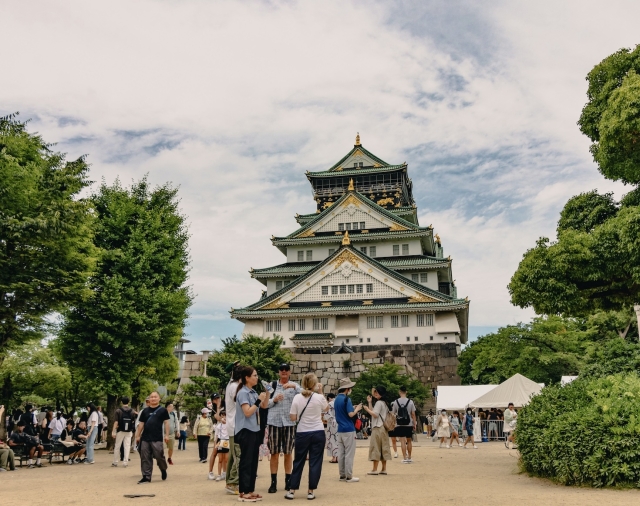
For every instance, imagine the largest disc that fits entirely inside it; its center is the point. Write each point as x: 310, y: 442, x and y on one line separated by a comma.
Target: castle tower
x: 360, y: 271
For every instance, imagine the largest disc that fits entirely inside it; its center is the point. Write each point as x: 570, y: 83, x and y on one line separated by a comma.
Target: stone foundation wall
x: 433, y: 364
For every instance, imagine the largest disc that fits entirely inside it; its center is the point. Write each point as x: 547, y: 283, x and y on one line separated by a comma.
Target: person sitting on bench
x: 31, y: 444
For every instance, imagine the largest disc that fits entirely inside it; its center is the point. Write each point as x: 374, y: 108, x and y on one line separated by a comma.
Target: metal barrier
x: 492, y: 430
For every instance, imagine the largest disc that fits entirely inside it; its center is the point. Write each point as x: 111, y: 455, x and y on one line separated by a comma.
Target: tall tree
x: 46, y: 251
x: 595, y: 263
x: 128, y: 328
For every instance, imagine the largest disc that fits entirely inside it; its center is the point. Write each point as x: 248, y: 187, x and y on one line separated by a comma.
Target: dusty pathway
x: 438, y: 475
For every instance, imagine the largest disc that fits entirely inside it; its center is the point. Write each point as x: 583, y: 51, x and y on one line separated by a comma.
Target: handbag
x: 389, y: 423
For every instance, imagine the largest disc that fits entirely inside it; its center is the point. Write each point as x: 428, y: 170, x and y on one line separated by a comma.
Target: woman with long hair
x: 307, y: 408
x: 510, y: 417
x: 182, y: 441
x: 442, y: 427
x: 57, y: 425
x: 247, y: 432
x: 455, y: 428
x: 92, y: 432
x: 379, y: 441
x: 45, y: 427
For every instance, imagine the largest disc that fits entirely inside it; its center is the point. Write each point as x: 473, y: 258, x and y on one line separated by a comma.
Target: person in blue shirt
x: 346, y: 436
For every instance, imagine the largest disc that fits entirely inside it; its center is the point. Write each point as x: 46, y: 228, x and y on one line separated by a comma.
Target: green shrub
x: 585, y: 433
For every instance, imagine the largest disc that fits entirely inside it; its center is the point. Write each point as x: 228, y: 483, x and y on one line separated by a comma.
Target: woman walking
x: 332, y: 430
x: 307, y: 408
x: 510, y: 417
x: 182, y: 440
x: 468, y: 426
x: 442, y: 428
x: 92, y: 432
x: 247, y: 432
x: 379, y: 441
x: 203, y: 429
x: 455, y: 428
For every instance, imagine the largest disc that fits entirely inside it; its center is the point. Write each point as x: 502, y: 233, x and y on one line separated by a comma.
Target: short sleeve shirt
x: 411, y: 408
x: 153, y: 419
x: 381, y: 410
x: 246, y: 396
x: 309, y: 411
x: 342, y: 407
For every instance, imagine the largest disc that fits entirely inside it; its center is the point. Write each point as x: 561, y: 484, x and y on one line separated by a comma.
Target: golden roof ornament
x: 438, y: 238
x: 358, y: 139
x: 351, y: 187
x: 345, y: 239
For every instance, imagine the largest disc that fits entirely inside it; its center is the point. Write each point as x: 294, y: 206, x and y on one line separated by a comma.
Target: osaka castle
x: 360, y: 271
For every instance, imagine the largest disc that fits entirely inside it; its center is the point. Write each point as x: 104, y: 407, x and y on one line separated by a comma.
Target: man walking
x: 346, y: 415
x: 232, y: 478
x: 153, y: 420
x: 122, y: 432
x: 282, y: 431
x: 406, y: 422
x: 173, y: 430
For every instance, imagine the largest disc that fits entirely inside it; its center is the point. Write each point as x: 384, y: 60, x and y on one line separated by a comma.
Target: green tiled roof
x: 355, y: 171
x: 395, y: 210
x: 353, y: 150
x: 366, y: 201
x: 290, y: 241
x: 301, y: 337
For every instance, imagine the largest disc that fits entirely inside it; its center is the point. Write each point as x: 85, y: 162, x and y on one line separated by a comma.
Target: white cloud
x: 233, y: 101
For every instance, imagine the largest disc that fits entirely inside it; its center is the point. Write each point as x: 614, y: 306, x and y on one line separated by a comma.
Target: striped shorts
x: 281, y: 439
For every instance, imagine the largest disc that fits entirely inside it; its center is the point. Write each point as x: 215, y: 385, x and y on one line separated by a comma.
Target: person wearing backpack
x: 379, y: 442
x: 122, y: 432
x: 405, y: 411
x: 348, y: 424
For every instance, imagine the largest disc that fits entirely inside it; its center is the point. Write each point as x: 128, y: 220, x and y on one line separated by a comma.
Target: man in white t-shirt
x: 232, y: 478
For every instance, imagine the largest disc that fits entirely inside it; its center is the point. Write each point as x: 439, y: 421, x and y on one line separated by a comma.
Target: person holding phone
x: 346, y: 416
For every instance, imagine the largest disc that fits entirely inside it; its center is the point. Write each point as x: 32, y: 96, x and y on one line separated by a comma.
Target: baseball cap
x: 284, y: 367
x: 205, y: 410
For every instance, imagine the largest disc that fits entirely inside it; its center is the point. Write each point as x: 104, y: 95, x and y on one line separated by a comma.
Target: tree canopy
x: 46, y: 249
x: 390, y: 376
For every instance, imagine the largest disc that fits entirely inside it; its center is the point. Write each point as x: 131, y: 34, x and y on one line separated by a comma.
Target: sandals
x: 246, y: 498
x: 384, y: 473
x: 373, y: 473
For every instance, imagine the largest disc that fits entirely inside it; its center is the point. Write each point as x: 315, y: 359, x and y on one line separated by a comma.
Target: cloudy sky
x: 234, y: 101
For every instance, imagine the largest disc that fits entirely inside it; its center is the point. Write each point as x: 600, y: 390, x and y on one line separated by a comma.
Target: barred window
x: 396, y: 249
x: 325, y: 290
x: 343, y: 289
x: 404, y: 320
x: 415, y: 338
x: 405, y: 249
x: 320, y: 323
x: 408, y: 338
x: 292, y: 325
x: 379, y: 322
x: 301, y: 324
x: 340, y: 226
x: 429, y: 320
x: 310, y: 255
x: 278, y: 285
x: 369, y: 287
x: 350, y: 288
x: 420, y: 320
x: 269, y: 325
x: 334, y: 289
x: 287, y: 283
x: 277, y: 325
x: 394, y: 321
x: 364, y: 249
x: 371, y: 322
x: 423, y: 277
x: 347, y: 226
x: 362, y: 225
x: 300, y: 256
x: 355, y: 225
x: 415, y: 277
x: 359, y: 288
x: 372, y: 251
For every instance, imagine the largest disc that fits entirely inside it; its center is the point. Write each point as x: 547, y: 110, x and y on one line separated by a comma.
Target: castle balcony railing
x: 375, y: 188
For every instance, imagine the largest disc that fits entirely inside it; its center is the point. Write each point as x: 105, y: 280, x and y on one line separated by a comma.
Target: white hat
x: 205, y: 410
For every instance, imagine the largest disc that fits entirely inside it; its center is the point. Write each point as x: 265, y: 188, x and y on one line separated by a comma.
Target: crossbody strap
x: 303, y: 410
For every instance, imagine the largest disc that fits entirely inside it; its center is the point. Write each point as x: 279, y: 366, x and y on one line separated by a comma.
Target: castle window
x: 343, y: 289
x: 287, y: 283
x: 420, y: 320
x: 362, y: 225
x: 347, y: 226
x: 415, y: 277
x: 334, y: 289
x: 350, y: 288
x: 320, y: 323
x: 386, y: 339
x: 340, y: 226
x: 310, y: 255
x: 408, y: 338
x: 358, y: 288
x: 404, y: 320
x: 415, y: 338
x: 355, y: 164
x: 361, y: 164
x: 429, y: 320
x: 368, y: 339
x: 269, y: 325
x: 277, y: 325
x: 360, y: 339
x: 394, y: 321
x: 364, y: 249
x: 301, y: 324
x: 430, y: 338
x: 371, y: 322
x: 347, y: 341
x: 396, y: 249
x: 292, y: 325
x: 405, y: 249
x: 379, y: 322
x: 300, y: 256
x: 423, y: 277
x: 278, y: 285
x: 369, y: 287
x: 325, y: 290
x: 372, y: 251
x: 355, y: 225
x: 445, y: 337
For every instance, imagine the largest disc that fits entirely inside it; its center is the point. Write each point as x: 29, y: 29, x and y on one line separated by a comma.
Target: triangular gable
x: 347, y: 267
x: 353, y: 207
x: 359, y: 154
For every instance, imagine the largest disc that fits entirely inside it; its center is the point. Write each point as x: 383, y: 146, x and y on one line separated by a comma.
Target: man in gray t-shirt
x: 405, y: 411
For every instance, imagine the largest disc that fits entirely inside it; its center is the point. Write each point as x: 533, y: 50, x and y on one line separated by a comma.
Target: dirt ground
x: 438, y: 475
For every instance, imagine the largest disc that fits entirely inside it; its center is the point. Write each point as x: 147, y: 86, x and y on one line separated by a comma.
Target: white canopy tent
x: 516, y: 389
x: 459, y: 396
x: 565, y: 380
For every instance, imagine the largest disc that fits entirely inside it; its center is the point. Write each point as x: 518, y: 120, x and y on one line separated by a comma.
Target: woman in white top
x: 379, y: 441
x: 443, y: 426
x: 92, y: 432
x: 510, y: 417
x: 57, y: 425
x: 307, y: 408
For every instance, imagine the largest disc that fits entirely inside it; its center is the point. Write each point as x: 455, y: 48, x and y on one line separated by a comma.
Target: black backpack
x: 125, y: 422
x: 403, y: 417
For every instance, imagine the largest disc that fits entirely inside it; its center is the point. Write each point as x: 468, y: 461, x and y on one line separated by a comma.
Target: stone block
x: 368, y: 355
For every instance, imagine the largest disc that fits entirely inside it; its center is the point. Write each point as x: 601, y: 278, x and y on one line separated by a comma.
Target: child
x: 222, y: 445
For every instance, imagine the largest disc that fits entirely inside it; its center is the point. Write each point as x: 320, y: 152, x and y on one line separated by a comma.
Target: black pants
x: 248, y: 469
x: 203, y: 447
x: 312, y: 444
x: 99, y: 434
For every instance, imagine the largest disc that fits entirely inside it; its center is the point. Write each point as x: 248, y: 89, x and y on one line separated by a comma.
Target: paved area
x: 445, y: 476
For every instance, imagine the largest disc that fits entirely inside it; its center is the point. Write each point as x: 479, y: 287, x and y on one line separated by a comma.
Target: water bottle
x: 267, y: 386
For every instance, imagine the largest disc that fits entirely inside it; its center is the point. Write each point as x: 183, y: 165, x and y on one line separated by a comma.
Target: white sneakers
x: 353, y: 479
x: 212, y: 476
x: 395, y: 455
x: 407, y: 461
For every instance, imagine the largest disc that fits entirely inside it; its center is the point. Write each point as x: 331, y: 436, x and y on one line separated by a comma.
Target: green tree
x: 194, y: 395
x: 46, y: 251
x: 265, y: 354
x: 126, y: 331
x: 391, y: 377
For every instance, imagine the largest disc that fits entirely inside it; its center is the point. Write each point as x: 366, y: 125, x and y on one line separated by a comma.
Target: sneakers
x: 448, y: 446
x: 114, y: 464
x: 85, y: 461
x: 231, y: 489
x: 223, y: 476
x: 163, y: 472
x: 144, y: 481
x: 212, y: 476
x: 353, y: 479
x: 311, y: 496
x: 219, y: 478
x: 70, y: 462
x: 289, y: 495
x: 475, y: 447
x: 440, y: 445
x: 405, y: 461
x: 170, y: 462
x: 343, y: 478
x: 395, y: 455
x: 409, y: 460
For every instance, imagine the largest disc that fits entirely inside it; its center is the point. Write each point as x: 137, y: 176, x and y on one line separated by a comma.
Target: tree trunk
x: 637, y: 310
x: 112, y: 405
